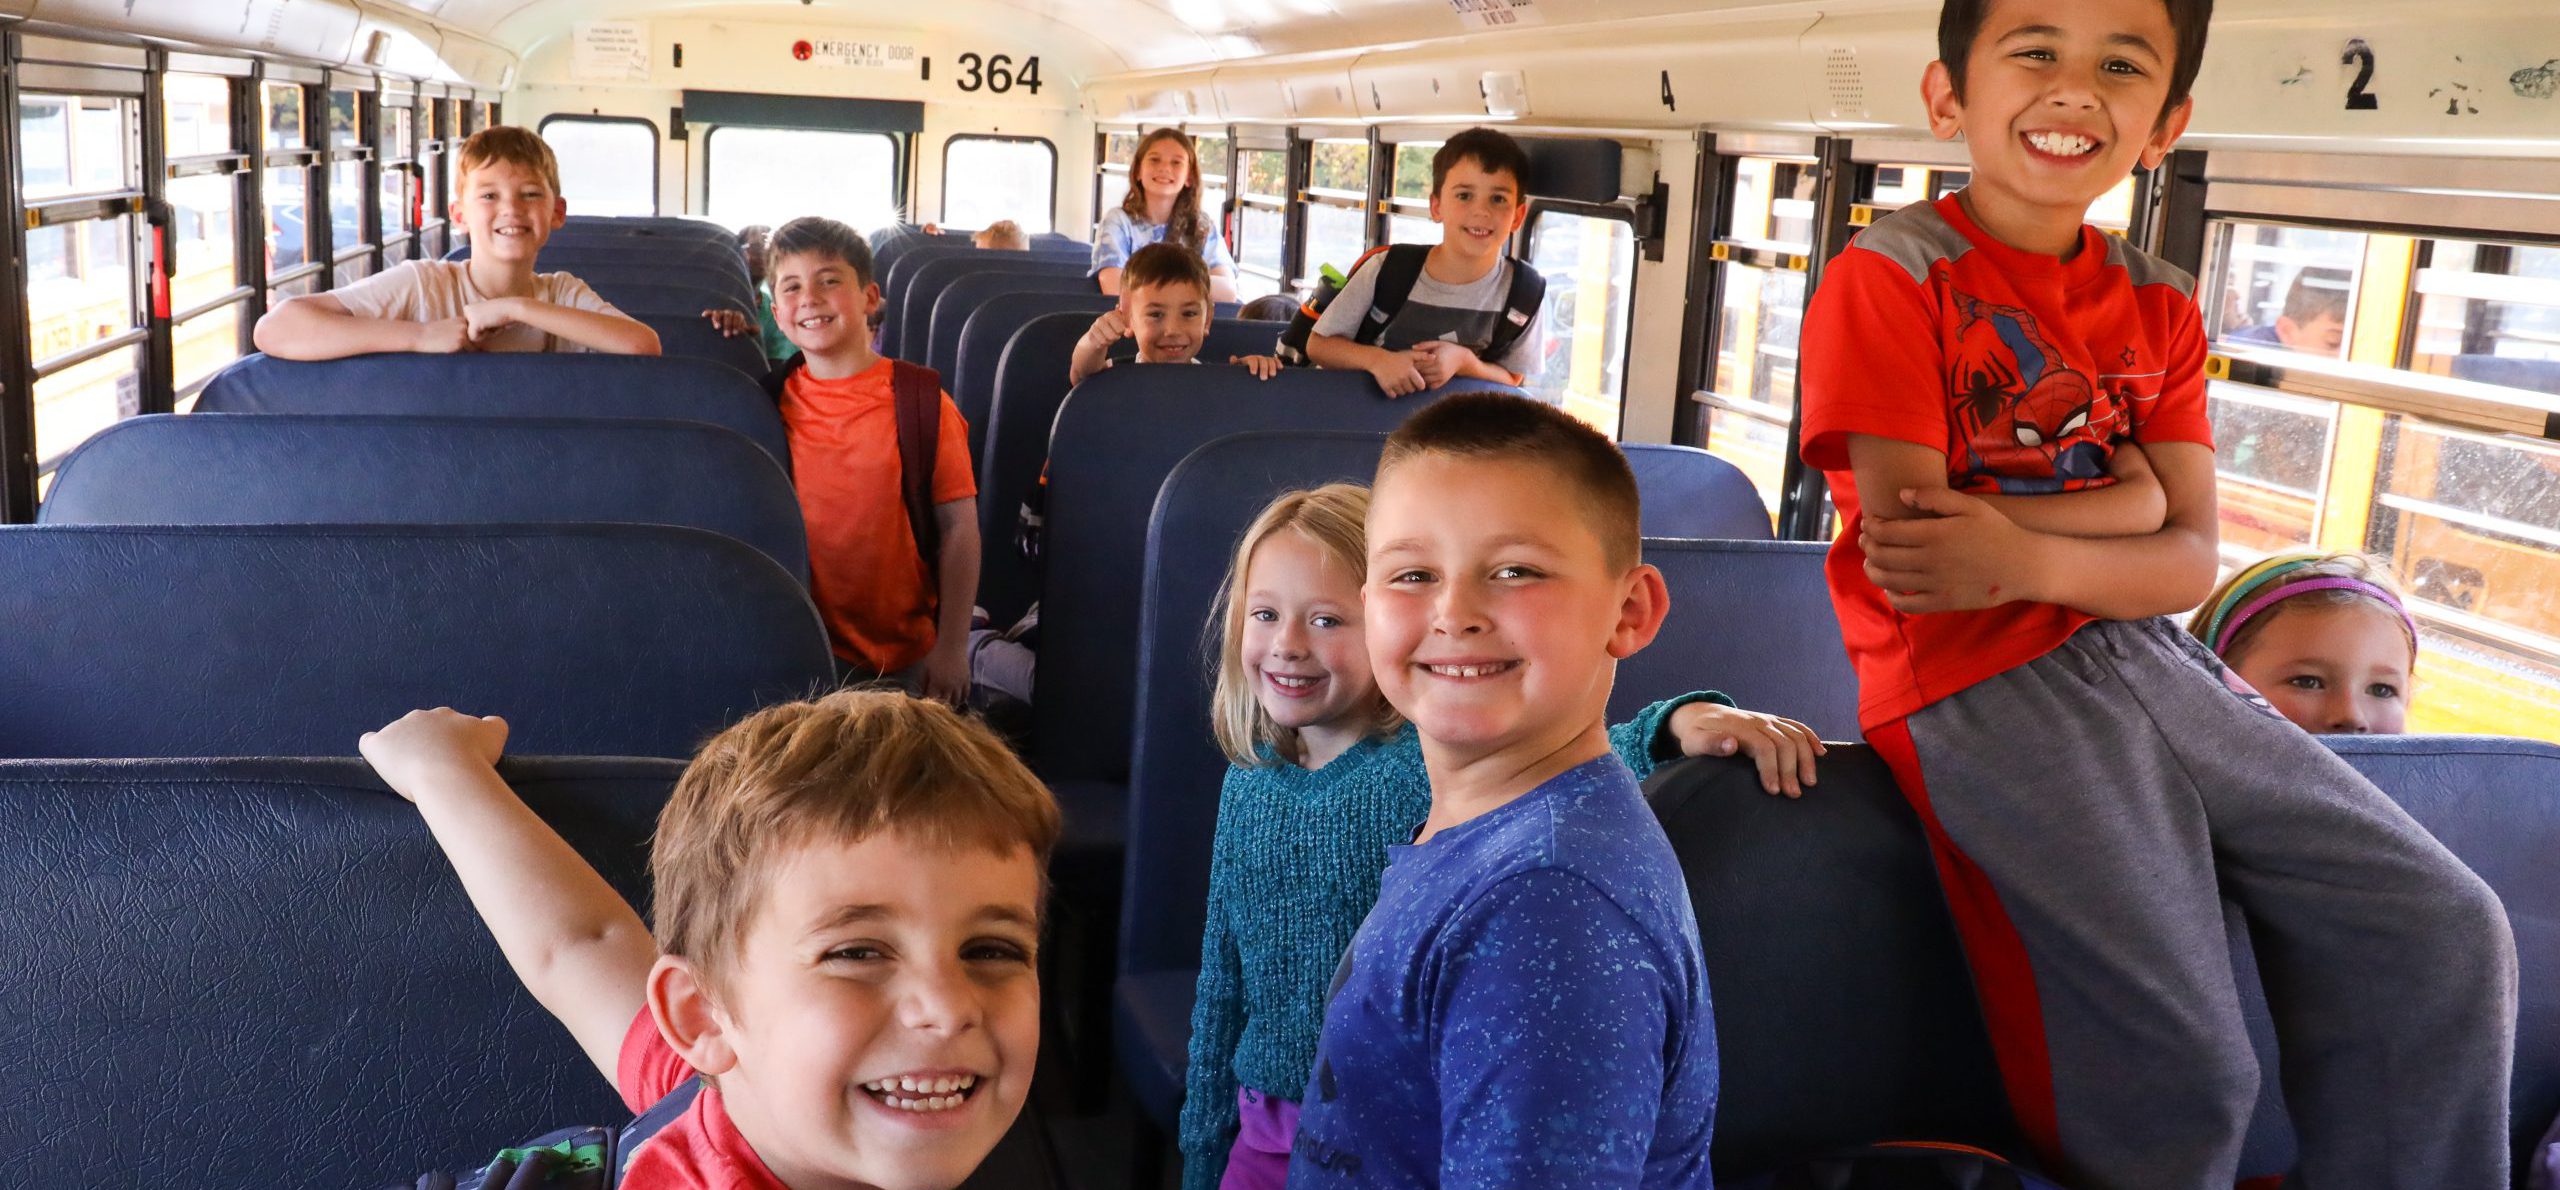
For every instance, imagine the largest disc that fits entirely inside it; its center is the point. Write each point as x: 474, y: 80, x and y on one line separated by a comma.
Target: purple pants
x: 1260, y: 1158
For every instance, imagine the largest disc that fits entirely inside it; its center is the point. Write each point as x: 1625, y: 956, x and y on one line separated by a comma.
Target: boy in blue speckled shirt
x: 1527, y: 1005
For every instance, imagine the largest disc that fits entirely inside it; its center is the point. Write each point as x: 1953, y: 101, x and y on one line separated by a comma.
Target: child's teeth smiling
x: 1481, y: 670
x: 2062, y: 144
x: 924, y: 1095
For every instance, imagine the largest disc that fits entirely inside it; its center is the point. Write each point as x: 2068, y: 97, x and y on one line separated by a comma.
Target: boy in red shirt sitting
x: 893, y: 556
x: 2010, y: 407
x: 848, y: 902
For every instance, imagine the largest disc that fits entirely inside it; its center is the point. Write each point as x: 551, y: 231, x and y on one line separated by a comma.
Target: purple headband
x: 2283, y: 591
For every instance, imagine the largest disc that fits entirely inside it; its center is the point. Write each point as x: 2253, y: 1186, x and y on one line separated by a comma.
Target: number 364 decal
x: 997, y: 75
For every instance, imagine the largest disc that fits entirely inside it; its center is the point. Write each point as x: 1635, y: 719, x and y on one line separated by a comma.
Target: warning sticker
x: 867, y: 55
x: 1497, y: 14
x: 610, y: 52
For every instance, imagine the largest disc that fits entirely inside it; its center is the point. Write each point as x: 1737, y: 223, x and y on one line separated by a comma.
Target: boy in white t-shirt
x: 510, y: 202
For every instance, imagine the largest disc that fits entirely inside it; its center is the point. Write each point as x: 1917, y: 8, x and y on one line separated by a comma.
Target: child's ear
x: 2173, y: 124
x: 1938, y: 95
x: 559, y: 211
x: 1641, y: 608
x: 1519, y: 214
x: 693, y: 1026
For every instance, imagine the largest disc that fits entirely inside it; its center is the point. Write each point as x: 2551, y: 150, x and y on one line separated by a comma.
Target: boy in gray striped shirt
x: 1460, y: 318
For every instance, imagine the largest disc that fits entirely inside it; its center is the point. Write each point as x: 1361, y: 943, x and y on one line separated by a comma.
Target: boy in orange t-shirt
x: 888, y: 612
x: 2010, y: 405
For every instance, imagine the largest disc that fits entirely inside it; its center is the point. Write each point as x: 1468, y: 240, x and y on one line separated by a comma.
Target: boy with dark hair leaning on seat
x: 1469, y: 310
x: 1992, y: 387
x: 880, y: 457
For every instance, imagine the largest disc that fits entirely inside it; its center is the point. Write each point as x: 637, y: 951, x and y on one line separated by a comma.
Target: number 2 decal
x: 2360, y: 55
x: 996, y: 75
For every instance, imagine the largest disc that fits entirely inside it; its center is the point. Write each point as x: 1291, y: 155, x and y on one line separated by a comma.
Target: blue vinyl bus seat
x: 318, y: 468
x: 505, y: 385
x: 292, y: 640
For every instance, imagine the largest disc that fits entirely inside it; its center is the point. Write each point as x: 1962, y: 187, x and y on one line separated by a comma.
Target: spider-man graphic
x: 2026, y: 422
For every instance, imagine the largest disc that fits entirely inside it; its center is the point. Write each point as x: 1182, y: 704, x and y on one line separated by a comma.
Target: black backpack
x: 585, y: 1158
x: 918, y: 390
x: 1396, y: 275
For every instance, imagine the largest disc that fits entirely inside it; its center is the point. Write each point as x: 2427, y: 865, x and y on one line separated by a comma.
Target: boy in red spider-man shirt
x: 2010, y: 407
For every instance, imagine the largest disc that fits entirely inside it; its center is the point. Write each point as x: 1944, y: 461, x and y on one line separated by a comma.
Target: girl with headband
x: 2323, y: 636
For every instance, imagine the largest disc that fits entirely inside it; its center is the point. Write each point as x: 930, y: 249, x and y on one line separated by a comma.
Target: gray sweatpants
x: 2090, y: 809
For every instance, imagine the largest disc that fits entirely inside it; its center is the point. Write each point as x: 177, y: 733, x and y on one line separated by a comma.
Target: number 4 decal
x: 2359, y: 54
x: 996, y: 75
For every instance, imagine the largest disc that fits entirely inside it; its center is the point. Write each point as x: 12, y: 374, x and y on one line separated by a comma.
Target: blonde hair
x: 1333, y: 517
x: 2365, y: 579
x: 514, y: 146
x: 1003, y: 233
x: 840, y: 768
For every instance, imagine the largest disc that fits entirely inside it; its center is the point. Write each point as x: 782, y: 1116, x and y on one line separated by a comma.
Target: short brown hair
x: 826, y: 238
x: 514, y: 146
x: 1165, y: 264
x: 1502, y: 426
x: 1003, y: 233
x: 840, y: 768
x: 1960, y: 25
x: 1493, y: 151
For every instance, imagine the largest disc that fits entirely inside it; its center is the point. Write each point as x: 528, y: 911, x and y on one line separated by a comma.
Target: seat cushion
x: 1151, y: 1029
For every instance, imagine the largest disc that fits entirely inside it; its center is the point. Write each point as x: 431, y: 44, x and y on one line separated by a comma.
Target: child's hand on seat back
x: 1263, y: 367
x: 1440, y: 360
x: 445, y: 336
x: 418, y: 749
x: 1782, y: 748
x: 730, y: 323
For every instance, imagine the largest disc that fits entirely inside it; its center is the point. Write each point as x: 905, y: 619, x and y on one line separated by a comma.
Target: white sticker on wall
x: 1497, y: 14
x: 868, y: 55
x: 610, y: 52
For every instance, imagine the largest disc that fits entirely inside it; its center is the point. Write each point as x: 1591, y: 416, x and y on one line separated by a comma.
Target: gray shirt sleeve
x: 1342, y: 319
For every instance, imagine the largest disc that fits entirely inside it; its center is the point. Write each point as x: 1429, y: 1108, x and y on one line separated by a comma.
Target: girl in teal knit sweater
x: 1325, y: 779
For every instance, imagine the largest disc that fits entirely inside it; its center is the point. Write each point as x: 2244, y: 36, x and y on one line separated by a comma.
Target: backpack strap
x: 1519, y: 309
x: 918, y: 392
x: 648, y: 1124
x: 779, y: 375
x: 1396, y: 275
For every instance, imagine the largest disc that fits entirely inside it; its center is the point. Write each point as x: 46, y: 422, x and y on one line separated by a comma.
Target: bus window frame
x: 657, y: 202
x: 363, y: 153
x: 1001, y: 138
x: 1292, y: 180
x: 1625, y: 212
x: 1306, y: 196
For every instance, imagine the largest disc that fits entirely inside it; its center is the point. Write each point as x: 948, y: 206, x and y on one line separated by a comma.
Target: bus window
x: 287, y: 181
x: 1262, y: 222
x: 80, y: 286
x: 607, y: 166
x: 1215, y: 151
x: 1769, y: 222
x: 2286, y: 288
x: 347, y: 188
x: 203, y: 190
x: 774, y: 175
x: 75, y: 145
x: 988, y: 178
x: 1590, y: 266
x: 1336, y: 206
x: 2490, y: 313
x: 398, y: 151
x: 1409, y: 206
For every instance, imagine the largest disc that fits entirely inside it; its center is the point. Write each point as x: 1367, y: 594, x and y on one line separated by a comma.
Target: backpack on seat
x: 585, y: 1158
x: 1396, y: 275
x: 1901, y: 1165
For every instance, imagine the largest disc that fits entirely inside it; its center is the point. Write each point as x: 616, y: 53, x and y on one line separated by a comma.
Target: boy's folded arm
x: 613, y: 334
x: 2154, y: 574
x: 1585, y: 1024
x: 1343, y: 352
x: 319, y: 326
x: 577, y: 945
x: 1888, y: 467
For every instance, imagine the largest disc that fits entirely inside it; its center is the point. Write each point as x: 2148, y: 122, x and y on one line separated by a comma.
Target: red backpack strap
x: 918, y: 392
